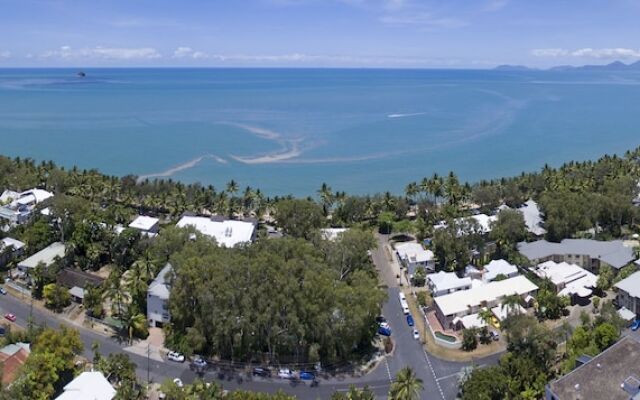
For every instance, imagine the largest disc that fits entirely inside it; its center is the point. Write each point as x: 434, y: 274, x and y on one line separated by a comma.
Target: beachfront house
x: 226, y: 232
x: 16, y: 207
x: 569, y: 280
x: 442, y: 283
x: 10, y: 249
x: 499, y: 269
x: 628, y: 293
x: 158, y: 298
x: 587, y: 253
x: 46, y: 257
x: 412, y: 255
x: 149, y: 226
x: 451, y: 308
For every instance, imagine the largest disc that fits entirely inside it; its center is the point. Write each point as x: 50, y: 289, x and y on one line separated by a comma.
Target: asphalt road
x: 440, y: 377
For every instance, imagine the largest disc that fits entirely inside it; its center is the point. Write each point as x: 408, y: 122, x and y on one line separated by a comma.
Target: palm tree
x: 407, y: 385
x: 133, y: 321
x: 326, y: 198
x: 116, y: 291
x: 136, y: 284
x: 512, y: 304
x: 232, y: 187
x: 486, y: 316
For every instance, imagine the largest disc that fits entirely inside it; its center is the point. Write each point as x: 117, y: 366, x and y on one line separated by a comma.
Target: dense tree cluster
x: 276, y: 299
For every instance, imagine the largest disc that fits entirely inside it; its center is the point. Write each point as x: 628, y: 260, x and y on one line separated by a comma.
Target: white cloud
x: 495, y: 5
x: 588, y: 52
x: 422, y: 19
x: 5, y: 54
x: 104, y: 53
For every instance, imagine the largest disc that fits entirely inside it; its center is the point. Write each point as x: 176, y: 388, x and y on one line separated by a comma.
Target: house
x: 466, y: 302
x: 10, y: 249
x: 587, y: 253
x: 412, y: 255
x: 12, y: 357
x: 569, y: 279
x: 46, y: 256
x: 332, y: 234
x: 628, y: 293
x: 226, y: 232
x: 484, y: 222
x: 158, y: 298
x: 147, y: 225
x: 613, y: 374
x: 90, y: 386
x: 532, y: 217
x: 16, y: 208
x: 499, y: 268
x: 442, y: 283
x: 77, y: 281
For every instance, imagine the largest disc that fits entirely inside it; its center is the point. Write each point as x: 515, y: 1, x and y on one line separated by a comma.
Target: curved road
x: 440, y: 377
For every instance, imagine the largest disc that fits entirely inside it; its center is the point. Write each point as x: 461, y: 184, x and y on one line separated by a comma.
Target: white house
x: 148, y: 225
x: 88, y: 386
x: 158, y: 298
x: 466, y: 302
x: 413, y: 255
x: 46, y: 256
x: 532, y: 217
x: 16, y: 208
x: 228, y: 233
x: 442, y: 283
x: 332, y: 234
x: 628, y: 293
x: 9, y: 249
x: 569, y: 279
x: 499, y: 267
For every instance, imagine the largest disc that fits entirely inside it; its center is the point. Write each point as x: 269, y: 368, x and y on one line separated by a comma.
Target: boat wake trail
x: 290, y: 148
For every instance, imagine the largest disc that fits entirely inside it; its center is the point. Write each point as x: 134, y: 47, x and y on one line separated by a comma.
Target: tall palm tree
x: 133, y: 321
x: 116, y: 291
x: 326, y: 198
x: 232, y: 187
x: 407, y: 385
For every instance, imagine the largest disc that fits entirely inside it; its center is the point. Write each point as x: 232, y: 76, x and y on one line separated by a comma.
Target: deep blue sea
x: 289, y: 130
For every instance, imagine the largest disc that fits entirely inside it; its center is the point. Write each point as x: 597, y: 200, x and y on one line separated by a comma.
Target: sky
x: 317, y: 33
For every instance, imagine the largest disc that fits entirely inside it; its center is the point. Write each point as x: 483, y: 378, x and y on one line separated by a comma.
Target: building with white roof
x: 497, y: 268
x: 332, y: 234
x: 468, y: 302
x: 9, y: 249
x: 587, y: 253
x: 484, y: 222
x: 569, y: 279
x: 88, y: 386
x: 532, y: 217
x: 158, y: 298
x: 502, y: 311
x: 46, y: 256
x: 148, y: 225
x: 469, y: 322
x: 412, y: 255
x: 16, y: 208
x: 628, y: 293
x: 226, y: 232
x: 442, y: 283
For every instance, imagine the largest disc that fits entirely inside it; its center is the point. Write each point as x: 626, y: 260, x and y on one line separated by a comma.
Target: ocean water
x: 288, y: 130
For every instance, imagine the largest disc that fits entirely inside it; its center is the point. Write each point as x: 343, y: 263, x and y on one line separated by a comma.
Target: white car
x: 175, y: 356
x: 285, y: 373
x: 416, y: 334
x: 178, y: 382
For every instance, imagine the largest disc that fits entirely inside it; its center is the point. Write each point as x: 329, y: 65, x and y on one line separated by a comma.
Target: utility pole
x: 148, y: 369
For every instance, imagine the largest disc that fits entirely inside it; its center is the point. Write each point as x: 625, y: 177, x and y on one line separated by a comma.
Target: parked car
x: 199, y: 363
x: 635, y: 325
x: 307, y: 375
x: 416, y: 334
x: 10, y: 317
x: 175, y: 356
x: 384, y: 331
x: 494, y: 335
x: 263, y: 372
x: 410, y: 320
x: 3, y: 291
x: 285, y: 373
x: 178, y: 382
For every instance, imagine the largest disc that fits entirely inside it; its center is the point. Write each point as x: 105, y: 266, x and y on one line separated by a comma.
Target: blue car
x: 307, y: 376
x: 635, y: 325
x: 410, y: 320
x: 384, y: 331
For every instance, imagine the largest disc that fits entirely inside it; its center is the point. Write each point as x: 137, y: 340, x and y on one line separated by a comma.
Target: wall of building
x: 157, y: 311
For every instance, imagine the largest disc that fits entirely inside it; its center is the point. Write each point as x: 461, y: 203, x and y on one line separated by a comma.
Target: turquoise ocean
x: 288, y: 130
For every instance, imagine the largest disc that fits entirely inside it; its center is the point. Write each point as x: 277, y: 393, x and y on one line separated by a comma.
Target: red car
x: 10, y: 317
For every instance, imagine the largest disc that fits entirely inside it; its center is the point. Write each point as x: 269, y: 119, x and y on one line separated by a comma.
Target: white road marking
x: 434, y: 374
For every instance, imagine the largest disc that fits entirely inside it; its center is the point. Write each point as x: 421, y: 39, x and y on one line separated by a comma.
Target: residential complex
x: 442, y: 283
x: 16, y: 207
x: 569, y: 279
x: 587, y: 253
x: 46, y: 257
x: 226, y: 232
x: 499, y: 269
x: 628, y: 293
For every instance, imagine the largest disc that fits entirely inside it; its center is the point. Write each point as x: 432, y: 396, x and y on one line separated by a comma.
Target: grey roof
x: 614, y: 252
x: 603, y: 376
x: 46, y: 256
x: 159, y: 287
x: 630, y: 284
